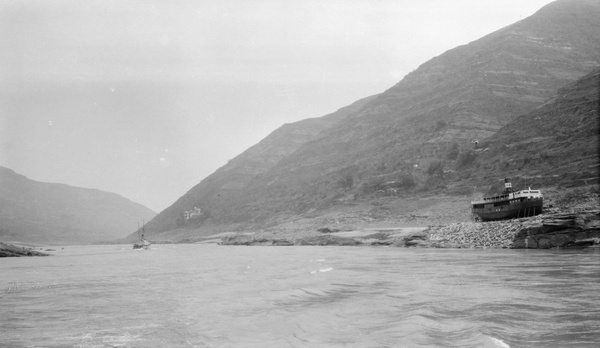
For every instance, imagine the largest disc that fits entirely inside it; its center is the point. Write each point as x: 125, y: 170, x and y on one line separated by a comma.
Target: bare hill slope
x: 420, y: 137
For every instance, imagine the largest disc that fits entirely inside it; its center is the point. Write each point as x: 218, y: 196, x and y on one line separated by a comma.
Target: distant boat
x: 142, y: 242
x: 509, y: 204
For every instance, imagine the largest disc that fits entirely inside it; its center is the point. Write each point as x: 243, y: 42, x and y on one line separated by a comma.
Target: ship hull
x: 525, y: 208
x: 142, y: 245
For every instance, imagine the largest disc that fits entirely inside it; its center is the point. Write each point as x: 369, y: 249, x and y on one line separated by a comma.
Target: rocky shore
x: 9, y: 250
x: 552, y: 229
x: 542, y: 232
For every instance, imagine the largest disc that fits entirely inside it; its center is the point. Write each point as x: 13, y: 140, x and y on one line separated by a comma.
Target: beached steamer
x: 509, y: 204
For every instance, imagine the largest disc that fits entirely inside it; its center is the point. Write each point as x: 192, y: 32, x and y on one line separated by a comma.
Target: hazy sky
x: 147, y: 98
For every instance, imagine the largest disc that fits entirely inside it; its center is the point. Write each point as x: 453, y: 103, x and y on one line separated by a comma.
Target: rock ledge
x: 9, y: 250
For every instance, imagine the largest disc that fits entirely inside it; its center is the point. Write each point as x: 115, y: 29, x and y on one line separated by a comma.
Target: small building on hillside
x: 188, y: 214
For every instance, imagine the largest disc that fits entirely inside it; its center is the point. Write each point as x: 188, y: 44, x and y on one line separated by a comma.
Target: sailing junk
x: 142, y: 242
x: 509, y: 204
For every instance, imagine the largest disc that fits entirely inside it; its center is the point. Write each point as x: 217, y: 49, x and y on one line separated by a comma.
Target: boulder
x: 418, y: 239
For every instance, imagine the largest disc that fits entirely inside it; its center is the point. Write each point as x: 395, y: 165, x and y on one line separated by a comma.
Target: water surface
x: 235, y: 296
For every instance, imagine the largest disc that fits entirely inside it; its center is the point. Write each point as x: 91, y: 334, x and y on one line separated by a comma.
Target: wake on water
x: 498, y: 343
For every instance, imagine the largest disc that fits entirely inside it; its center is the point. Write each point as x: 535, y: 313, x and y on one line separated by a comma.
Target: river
x: 206, y: 295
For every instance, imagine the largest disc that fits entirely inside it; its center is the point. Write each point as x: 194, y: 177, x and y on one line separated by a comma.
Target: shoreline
x: 553, y: 229
x: 11, y: 250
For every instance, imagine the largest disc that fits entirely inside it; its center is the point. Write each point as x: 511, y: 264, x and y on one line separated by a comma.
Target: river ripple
x: 235, y: 296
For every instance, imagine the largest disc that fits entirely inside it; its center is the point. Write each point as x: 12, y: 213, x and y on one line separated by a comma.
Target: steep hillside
x: 555, y: 145
x: 413, y: 140
x: 32, y: 211
x: 231, y: 180
x: 464, y: 95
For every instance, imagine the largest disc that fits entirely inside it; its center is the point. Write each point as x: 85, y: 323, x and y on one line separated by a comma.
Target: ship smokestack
x: 507, y: 185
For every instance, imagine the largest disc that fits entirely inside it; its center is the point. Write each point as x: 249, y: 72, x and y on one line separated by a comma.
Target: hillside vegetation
x: 508, y: 104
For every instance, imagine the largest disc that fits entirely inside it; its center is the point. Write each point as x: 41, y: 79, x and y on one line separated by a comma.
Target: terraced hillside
x: 424, y: 137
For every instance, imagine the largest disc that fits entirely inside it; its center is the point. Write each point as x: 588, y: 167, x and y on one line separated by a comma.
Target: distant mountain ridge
x: 420, y: 136
x: 32, y: 211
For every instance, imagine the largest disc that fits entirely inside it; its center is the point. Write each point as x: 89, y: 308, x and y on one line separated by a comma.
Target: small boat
x: 509, y: 204
x: 142, y: 242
